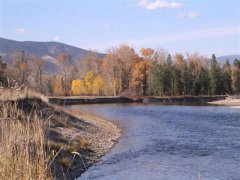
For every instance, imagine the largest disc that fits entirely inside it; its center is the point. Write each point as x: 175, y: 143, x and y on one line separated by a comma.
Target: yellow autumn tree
x: 58, y: 89
x: 98, y: 84
x: 117, y: 83
x: 147, y: 53
x: 138, y: 81
x: 78, y: 87
x: 89, y: 82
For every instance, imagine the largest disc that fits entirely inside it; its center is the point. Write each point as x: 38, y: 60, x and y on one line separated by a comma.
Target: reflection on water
x: 170, y: 142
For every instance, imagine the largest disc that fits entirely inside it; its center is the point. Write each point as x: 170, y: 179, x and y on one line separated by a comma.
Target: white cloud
x: 107, y: 24
x: 198, y: 34
x: 20, y: 31
x: 56, y: 38
x: 181, y: 15
x: 158, y: 4
x: 190, y: 14
x: 191, y: 35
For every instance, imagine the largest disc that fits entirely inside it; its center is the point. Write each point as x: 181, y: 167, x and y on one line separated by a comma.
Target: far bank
x: 74, y: 100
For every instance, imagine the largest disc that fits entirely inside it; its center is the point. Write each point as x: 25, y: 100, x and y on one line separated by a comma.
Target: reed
x: 22, y: 146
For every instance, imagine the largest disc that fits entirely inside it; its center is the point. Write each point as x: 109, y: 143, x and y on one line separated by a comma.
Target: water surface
x: 170, y: 142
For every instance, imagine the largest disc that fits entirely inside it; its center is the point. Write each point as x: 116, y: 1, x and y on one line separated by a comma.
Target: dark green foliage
x: 215, y: 77
x: 227, y: 77
x: 157, y: 80
x: 3, y: 80
x: 202, y: 83
x: 192, y: 79
x: 177, y: 88
x: 236, y: 63
x: 236, y: 76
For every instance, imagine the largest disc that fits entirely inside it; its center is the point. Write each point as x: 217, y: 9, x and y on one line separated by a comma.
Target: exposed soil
x: 77, y: 141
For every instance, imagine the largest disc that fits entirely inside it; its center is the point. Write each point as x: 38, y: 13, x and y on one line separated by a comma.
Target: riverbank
x: 227, y: 102
x: 74, y: 100
x: 74, y: 141
x: 77, y: 140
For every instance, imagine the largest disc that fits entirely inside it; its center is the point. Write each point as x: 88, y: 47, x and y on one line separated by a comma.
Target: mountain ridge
x: 41, y: 49
x: 230, y: 58
x: 49, y: 50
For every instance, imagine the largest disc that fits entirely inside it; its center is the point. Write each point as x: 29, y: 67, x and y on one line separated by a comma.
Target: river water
x: 169, y: 143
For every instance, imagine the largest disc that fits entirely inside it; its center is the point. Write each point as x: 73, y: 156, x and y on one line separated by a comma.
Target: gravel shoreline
x: 102, y: 136
x: 227, y: 102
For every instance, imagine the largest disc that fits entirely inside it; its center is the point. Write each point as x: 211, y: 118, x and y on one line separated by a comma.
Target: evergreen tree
x: 202, y: 82
x: 215, y: 76
x: 227, y: 77
x: 176, y: 81
x: 168, y: 77
x: 236, y: 76
x: 236, y: 63
x: 188, y: 78
x: 156, y: 80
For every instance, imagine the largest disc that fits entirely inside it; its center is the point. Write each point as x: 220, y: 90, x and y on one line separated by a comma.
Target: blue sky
x: 204, y: 26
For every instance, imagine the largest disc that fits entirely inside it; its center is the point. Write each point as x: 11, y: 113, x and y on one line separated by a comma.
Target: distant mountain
x: 231, y: 58
x: 48, y: 51
x: 41, y: 49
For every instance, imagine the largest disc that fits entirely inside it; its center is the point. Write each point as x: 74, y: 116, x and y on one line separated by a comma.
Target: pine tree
x: 236, y: 63
x: 215, y: 76
x: 156, y: 80
x: 168, y: 77
x: 227, y: 77
x: 236, y: 76
x: 202, y: 82
x: 176, y: 81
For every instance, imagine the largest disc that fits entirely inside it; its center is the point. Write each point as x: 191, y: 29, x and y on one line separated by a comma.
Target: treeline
x: 124, y: 72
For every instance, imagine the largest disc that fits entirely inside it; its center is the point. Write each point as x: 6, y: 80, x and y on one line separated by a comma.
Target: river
x: 169, y: 142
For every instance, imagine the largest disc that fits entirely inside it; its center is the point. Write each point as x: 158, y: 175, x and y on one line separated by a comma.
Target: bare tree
x: 110, y: 70
x: 18, y: 71
x: 65, y: 68
x: 91, y: 62
x: 125, y: 56
x: 36, y: 66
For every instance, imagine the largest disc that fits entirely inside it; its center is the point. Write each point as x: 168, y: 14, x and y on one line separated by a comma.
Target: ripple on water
x: 171, y: 142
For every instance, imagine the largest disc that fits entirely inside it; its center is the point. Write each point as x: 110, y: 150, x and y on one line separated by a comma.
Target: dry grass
x: 7, y: 94
x: 26, y: 152
x: 66, y: 162
x: 22, y: 146
x: 84, y: 144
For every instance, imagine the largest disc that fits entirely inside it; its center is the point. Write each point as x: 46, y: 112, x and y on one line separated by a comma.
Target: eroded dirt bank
x: 74, y: 141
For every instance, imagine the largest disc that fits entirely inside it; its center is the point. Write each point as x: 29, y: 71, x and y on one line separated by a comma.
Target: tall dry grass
x: 22, y: 146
